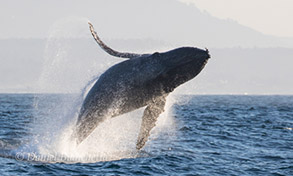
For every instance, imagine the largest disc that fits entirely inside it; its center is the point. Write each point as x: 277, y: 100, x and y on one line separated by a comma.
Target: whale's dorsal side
x: 108, y: 49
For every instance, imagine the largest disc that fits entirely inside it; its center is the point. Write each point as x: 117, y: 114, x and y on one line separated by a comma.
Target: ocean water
x: 198, y: 135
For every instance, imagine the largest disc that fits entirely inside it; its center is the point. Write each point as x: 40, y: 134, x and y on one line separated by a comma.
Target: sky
x: 267, y: 16
x: 270, y: 17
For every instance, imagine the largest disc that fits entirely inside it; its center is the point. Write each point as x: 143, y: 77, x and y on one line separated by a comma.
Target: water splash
x: 56, y: 115
x: 62, y: 71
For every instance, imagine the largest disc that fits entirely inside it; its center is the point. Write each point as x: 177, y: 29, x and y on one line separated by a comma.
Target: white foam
x: 55, y: 117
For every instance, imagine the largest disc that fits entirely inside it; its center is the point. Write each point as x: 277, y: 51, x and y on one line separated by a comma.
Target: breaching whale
x: 144, y: 80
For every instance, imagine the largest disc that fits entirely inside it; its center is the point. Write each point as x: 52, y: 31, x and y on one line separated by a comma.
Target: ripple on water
x: 212, y: 135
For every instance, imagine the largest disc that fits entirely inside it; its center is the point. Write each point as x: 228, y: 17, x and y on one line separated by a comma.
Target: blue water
x: 209, y: 135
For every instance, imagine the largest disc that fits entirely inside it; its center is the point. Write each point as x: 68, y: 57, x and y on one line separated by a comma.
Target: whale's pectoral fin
x: 150, y: 116
x: 108, y: 49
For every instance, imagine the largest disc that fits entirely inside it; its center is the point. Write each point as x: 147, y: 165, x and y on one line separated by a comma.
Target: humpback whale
x: 143, y: 80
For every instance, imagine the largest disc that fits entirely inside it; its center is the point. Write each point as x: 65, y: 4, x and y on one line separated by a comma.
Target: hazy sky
x: 268, y: 16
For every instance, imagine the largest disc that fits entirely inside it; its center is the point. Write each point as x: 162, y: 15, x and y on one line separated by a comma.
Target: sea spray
x: 56, y: 114
x: 62, y: 73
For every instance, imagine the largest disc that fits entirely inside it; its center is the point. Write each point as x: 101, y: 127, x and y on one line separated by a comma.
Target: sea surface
x: 198, y: 135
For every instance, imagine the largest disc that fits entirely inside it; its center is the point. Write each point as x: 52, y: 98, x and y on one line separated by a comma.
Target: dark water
x: 213, y: 135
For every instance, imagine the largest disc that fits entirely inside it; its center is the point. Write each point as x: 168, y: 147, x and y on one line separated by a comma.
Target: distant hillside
x: 251, y: 71
x: 169, y: 21
x: 69, y: 64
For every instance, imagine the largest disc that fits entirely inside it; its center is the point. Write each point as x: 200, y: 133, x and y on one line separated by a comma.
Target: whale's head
x: 185, y: 55
x: 181, y: 65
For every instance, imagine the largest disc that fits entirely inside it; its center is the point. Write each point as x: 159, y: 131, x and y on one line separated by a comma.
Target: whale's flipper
x: 150, y: 116
x: 108, y: 49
